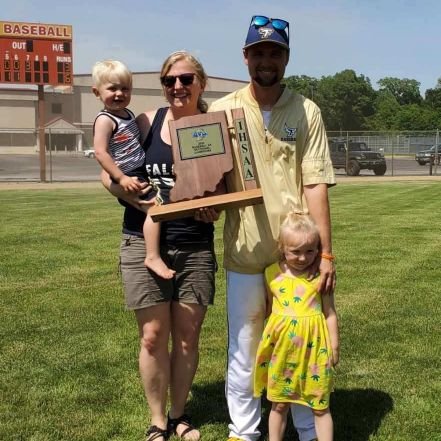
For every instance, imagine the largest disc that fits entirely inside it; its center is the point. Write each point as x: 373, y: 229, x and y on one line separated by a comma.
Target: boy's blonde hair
x: 109, y: 70
x: 197, y: 66
x: 297, y: 222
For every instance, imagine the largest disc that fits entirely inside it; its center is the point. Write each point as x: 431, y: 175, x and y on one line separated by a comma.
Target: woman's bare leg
x: 186, y: 327
x: 154, y: 359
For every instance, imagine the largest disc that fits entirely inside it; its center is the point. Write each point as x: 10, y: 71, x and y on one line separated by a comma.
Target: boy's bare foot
x: 157, y: 265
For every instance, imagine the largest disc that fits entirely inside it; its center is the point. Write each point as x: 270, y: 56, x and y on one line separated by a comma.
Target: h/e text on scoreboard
x: 35, y: 53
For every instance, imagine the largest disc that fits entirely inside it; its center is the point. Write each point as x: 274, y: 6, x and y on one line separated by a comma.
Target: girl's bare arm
x: 332, y: 323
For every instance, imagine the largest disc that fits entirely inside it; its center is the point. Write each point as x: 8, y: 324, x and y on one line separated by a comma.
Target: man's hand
x: 207, y: 215
x: 328, y: 277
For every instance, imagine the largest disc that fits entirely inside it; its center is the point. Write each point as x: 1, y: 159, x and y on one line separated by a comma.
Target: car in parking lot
x: 89, y: 153
x: 430, y: 155
x: 358, y: 157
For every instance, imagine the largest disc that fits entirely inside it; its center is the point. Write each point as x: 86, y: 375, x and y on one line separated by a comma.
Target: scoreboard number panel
x: 35, y: 53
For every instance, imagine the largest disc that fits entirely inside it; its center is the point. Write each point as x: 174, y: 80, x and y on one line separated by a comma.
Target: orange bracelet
x: 326, y: 256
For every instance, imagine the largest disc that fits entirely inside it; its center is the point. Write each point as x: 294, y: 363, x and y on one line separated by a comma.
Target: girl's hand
x: 335, y: 356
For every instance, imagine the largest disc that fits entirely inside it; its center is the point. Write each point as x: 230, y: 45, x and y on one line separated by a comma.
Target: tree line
x: 349, y: 102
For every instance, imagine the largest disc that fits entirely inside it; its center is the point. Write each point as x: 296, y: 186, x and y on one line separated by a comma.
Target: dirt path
x: 47, y: 185
x: 95, y: 184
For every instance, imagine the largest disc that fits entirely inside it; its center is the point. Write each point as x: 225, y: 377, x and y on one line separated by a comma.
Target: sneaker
x: 234, y: 439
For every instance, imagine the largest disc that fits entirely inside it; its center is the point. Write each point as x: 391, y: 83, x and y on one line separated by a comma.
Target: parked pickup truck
x: 425, y: 156
x: 359, y: 157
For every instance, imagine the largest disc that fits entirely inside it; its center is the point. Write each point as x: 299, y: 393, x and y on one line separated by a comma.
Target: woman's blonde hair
x: 108, y: 70
x: 198, y: 68
x: 300, y: 223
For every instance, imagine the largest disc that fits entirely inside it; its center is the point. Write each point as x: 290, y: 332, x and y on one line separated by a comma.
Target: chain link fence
x: 411, y: 153
x: 67, y: 158
x: 391, y: 143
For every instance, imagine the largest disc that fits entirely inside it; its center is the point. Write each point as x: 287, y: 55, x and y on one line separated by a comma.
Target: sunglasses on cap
x: 277, y: 23
x: 170, y: 80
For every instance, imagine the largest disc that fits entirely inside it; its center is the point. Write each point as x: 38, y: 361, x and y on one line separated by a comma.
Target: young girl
x: 300, y: 344
x: 117, y: 147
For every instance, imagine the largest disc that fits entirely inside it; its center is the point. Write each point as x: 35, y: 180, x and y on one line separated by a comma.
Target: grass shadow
x: 357, y: 414
x: 208, y: 405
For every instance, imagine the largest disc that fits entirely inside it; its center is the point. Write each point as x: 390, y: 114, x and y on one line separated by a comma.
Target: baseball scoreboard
x: 35, y: 53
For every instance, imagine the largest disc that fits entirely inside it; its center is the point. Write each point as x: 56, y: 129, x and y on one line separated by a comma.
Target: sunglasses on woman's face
x: 261, y: 20
x: 186, y: 79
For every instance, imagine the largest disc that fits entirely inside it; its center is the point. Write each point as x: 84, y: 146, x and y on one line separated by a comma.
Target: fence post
x: 50, y: 155
x: 392, y: 159
x: 41, y: 133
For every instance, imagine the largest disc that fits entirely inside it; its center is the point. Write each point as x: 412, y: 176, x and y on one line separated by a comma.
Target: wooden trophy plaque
x: 208, y: 172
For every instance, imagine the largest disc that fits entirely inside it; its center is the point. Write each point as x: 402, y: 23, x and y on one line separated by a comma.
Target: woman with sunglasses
x: 169, y: 309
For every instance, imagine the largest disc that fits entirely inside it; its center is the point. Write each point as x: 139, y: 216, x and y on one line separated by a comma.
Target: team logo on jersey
x: 200, y: 134
x: 291, y: 133
x: 265, y: 32
x: 121, y: 137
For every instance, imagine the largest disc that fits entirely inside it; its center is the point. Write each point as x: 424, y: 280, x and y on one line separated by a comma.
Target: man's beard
x: 266, y: 82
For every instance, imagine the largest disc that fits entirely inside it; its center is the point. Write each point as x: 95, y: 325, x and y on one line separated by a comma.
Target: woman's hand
x: 207, y: 215
x: 130, y: 184
x: 133, y: 199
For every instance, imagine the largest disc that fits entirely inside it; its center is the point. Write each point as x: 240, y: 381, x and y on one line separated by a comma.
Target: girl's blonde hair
x: 298, y: 223
x: 108, y: 70
x: 198, y: 68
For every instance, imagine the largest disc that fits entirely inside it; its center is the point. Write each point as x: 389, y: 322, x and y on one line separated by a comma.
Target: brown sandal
x: 173, y: 423
x: 156, y: 433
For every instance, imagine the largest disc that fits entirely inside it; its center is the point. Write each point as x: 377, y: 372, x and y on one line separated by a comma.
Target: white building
x: 70, y: 112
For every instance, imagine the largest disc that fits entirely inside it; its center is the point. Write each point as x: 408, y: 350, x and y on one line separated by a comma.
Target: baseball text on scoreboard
x: 35, y: 53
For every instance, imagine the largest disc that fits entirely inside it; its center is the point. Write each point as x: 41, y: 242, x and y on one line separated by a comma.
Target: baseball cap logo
x: 265, y: 32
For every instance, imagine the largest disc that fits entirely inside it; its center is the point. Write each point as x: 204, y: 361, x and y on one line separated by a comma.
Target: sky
x: 375, y: 38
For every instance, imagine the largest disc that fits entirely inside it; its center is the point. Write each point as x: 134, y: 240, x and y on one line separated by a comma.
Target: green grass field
x: 68, y: 348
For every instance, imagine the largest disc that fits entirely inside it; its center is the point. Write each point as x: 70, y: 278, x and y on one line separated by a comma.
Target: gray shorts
x: 194, y: 281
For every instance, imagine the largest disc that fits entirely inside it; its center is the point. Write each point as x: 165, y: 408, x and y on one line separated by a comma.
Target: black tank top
x: 159, y: 167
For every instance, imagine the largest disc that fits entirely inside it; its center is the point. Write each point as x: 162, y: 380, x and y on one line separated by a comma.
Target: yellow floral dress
x: 294, y: 357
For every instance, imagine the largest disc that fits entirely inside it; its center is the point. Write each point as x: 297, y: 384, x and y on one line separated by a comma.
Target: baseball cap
x: 263, y: 29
